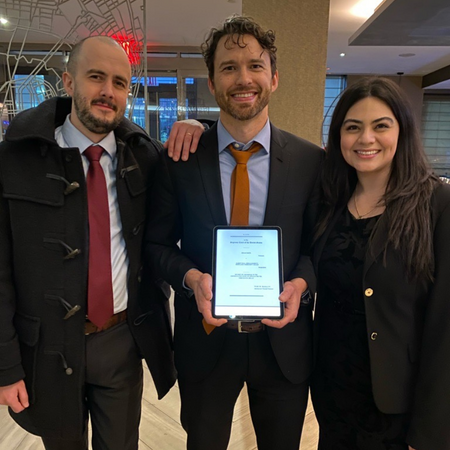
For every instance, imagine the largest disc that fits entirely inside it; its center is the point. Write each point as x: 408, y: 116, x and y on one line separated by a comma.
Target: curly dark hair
x: 236, y: 27
x: 410, y: 185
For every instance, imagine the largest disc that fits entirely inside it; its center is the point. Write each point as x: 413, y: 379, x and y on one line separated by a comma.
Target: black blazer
x: 188, y: 203
x: 410, y: 350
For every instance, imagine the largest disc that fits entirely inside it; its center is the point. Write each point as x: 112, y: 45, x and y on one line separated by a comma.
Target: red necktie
x: 100, y: 293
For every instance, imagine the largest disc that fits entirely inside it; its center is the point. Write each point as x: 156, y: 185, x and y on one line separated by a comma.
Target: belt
x: 245, y: 327
x: 120, y: 317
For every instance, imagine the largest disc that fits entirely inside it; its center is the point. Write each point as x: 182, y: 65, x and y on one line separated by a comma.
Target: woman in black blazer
x: 382, y: 256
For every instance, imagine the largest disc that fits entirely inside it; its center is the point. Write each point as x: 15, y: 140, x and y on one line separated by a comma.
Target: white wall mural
x: 57, y: 25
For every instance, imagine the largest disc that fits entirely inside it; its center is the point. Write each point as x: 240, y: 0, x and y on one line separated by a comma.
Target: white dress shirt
x: 68, y: 136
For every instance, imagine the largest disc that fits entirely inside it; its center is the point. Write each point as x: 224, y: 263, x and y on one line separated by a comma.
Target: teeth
x: 250, y: 94
x: 367, y: 152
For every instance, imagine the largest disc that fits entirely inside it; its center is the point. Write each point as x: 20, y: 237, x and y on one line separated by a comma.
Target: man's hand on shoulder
x: 15, y: 396
x: 201, y: 284
x: 183, y: 139
x: 291, y: 297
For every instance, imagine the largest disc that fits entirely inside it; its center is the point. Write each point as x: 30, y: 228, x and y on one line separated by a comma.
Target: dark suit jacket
x: 188, y: 203
x: 410, y: 355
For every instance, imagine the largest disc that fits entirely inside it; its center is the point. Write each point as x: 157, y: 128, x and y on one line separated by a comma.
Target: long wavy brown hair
x: 410, y: 185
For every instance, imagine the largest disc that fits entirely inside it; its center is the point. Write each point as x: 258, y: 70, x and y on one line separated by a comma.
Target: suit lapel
x: 279, y: 170
x: 208, y: 161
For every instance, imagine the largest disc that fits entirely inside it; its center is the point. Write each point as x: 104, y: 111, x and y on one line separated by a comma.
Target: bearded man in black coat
x: 57, y: 365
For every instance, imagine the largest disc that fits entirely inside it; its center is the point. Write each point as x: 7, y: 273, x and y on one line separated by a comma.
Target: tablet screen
x: 247, y: 273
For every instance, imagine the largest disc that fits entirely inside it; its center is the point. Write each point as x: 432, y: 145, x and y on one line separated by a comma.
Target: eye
x: 352, y: 127
x: 382, y: 125
x: 257, y: 66
x: 228, y: 68
x: 121, y: 84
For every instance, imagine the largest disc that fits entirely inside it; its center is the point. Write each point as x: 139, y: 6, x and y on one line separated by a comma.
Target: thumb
x: 23, y: 395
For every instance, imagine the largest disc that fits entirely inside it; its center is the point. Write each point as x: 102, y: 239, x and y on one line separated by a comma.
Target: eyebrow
x: 258, y: 60
x: 101, y: 72
x: 232, y: 61
x: 389, y: 119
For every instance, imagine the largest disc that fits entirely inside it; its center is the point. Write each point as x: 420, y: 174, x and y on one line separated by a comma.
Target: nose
x: 244, y: 77
x: 107, y: 89
x: 367, y: 136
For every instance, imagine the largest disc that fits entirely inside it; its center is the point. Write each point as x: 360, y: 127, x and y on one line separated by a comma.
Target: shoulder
x: 441, y: 196
x: 440, y: 200
x: 136, y: 138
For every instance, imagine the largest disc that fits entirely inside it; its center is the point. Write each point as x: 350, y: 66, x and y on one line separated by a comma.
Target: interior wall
x: 412, y: 86
x: 301, y: 29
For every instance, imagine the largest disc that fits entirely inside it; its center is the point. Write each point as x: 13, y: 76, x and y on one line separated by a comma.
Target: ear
x: 68, y: 82
x: 275, y: 81
x: 211, y: 86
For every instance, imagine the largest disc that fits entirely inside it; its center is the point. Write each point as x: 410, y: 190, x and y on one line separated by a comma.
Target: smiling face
x: 369, y: 136
x: 99, y: 88
x: 243, y: 80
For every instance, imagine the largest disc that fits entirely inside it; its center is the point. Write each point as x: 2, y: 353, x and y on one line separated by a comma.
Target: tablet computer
x: 247, y: 273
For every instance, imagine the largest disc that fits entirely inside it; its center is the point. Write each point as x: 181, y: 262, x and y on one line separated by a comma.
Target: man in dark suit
x: 75, y: 318
x: 272, y: 357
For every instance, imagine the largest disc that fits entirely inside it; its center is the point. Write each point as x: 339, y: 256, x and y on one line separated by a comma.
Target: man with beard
x: 75, y: 316
x: 214, y: 358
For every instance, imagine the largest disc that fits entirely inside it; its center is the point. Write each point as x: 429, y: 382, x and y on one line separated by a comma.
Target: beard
x: 243, y: 111
x: 92, y: 123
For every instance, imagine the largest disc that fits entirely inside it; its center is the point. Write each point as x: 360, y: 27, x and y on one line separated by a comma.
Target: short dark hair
x: 236, y: 27
x: 411, y: 182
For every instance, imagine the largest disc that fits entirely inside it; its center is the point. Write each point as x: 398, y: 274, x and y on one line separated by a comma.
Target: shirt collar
x: 75, y: 138
x: 225, y: 139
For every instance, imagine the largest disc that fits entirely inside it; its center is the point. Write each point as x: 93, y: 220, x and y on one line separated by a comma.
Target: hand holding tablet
x: 201, y: 285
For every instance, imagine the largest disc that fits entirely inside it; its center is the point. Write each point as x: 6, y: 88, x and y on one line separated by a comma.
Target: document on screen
x: 247, y: 273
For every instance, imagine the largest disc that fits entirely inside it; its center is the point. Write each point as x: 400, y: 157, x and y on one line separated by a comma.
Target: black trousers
x: 277, y: 406
x: 113, y: 393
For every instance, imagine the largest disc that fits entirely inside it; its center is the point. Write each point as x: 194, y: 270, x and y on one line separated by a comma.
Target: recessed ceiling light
x: 342, y: 54
x: 406, y: 55
x: 365, y: 8
x: 3, y: 21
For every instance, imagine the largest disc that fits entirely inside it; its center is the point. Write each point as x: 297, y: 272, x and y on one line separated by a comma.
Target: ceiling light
x: 3, y: 21
x: 342, y: 54
x: 365, y: 8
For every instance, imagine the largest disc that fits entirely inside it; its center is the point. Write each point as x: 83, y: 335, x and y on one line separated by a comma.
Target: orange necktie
x: 240, y: 185
x: 240, y: 194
